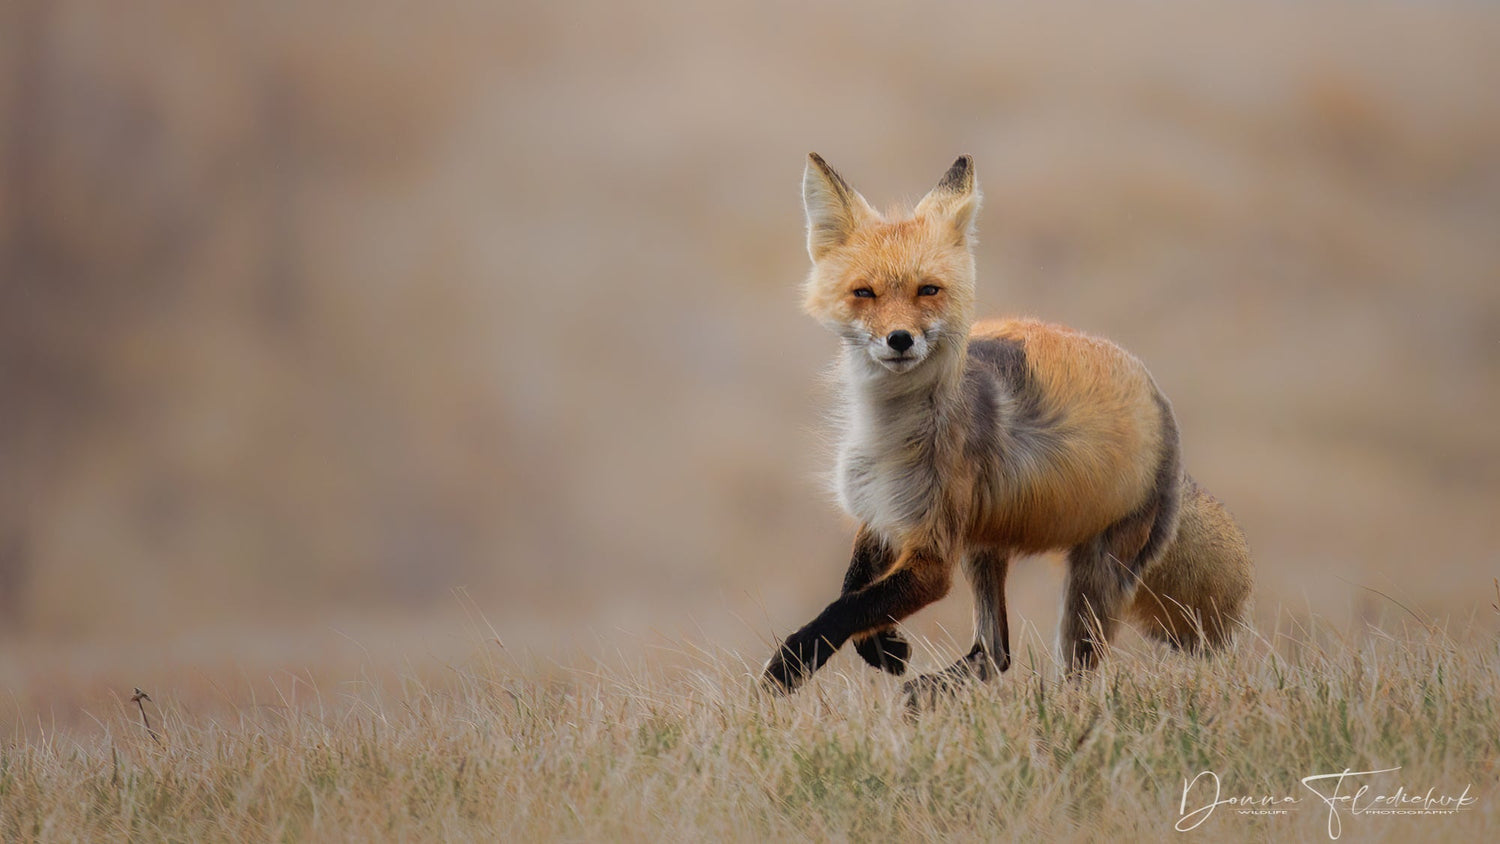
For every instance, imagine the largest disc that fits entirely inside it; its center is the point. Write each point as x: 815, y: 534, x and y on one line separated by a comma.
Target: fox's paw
x: 886, y: 650
x: 797, y: 658
x: 925, y: 691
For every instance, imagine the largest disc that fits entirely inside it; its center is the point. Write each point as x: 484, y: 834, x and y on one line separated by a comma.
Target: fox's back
x: 1068, y: 435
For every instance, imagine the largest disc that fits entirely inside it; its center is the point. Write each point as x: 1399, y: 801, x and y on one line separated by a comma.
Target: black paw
x: 886, y: 650
x: 1085, y: 658
x: 924, y: 692
x: 797, y: 658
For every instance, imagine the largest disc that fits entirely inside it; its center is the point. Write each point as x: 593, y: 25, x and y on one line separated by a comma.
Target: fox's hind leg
x: 1103, y: 571
x: 1093, y: 595
x: 986, y: 569
x: 1103, y: 574
x: 883, y: 648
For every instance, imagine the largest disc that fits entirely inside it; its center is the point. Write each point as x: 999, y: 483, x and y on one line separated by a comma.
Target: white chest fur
x: 887, y: 474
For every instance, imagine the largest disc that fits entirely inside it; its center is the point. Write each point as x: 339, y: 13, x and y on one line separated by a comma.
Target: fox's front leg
x: 883, y: 648
x: 918, y: 578
x: 986, y: 568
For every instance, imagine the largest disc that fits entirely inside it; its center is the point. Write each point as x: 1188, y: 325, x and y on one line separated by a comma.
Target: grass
x: 503, y: 752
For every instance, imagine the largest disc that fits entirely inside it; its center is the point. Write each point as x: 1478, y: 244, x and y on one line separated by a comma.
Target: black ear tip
x: 960, y: 175
x: 816, y: 163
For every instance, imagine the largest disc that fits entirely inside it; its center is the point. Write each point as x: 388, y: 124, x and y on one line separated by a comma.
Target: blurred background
x: 315, y: 318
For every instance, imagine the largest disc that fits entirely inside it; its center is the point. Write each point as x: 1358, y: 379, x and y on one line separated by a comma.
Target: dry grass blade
x: 138, y: 699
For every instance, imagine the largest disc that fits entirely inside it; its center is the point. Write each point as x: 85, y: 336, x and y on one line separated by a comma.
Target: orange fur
x: 1108, y: 423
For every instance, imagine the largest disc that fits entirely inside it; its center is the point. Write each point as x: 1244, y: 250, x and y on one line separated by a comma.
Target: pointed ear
x: 956, y: 198
x: 834, y: 210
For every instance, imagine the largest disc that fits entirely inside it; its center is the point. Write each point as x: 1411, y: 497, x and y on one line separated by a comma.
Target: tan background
x: 309, y: 317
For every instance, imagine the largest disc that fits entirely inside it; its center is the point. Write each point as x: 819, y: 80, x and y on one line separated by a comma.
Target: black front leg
x: 919, y: 579
x: 872, y: 557
x: 883, y: 648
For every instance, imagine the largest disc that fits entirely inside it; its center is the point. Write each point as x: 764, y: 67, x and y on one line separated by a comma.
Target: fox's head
x: 896, y: 290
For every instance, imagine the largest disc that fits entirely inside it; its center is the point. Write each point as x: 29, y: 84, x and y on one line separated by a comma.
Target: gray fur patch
x: 1004, y: 397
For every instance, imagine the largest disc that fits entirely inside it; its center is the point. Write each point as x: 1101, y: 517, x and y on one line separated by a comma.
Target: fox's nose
x: 899, y: 340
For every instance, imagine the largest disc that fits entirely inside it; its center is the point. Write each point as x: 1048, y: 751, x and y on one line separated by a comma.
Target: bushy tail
x: 1197, y: 594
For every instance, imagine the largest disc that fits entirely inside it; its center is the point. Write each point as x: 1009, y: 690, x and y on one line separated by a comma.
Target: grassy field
x: 310, y: 319
x: 503, y: 749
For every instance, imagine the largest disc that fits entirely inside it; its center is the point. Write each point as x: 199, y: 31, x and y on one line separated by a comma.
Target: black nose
x: 899, y: 340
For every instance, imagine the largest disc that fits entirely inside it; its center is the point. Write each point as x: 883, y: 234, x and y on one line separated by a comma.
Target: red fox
x: 975, y: 443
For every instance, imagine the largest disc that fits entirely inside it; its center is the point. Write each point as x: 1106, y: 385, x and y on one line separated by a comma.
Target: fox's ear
x: 956, y: 198
x: 834, y: 210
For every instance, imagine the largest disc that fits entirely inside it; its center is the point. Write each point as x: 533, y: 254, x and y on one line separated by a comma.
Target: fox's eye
x: 864, y: 293
x: 928, y: 290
